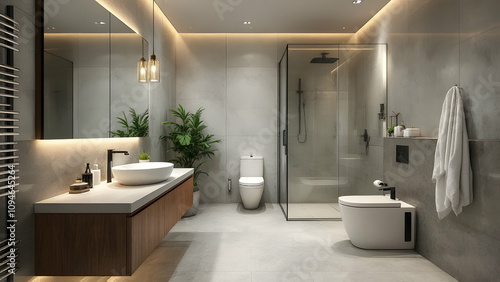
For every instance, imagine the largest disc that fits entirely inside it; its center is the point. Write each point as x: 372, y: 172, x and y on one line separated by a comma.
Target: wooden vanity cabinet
x: 94, y: 244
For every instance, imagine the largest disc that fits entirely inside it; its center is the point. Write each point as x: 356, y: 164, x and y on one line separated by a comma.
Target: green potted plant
x: 191, y: 145
x: 390, y: 130
x: 137, y: 127
x: 144, y: 157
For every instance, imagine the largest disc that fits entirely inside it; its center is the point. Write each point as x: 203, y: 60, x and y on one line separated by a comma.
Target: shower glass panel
x: 282, y: 154
x: 328, y: 95
x: 362, y: 89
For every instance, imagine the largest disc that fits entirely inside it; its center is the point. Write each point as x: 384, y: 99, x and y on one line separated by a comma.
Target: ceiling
x: 81, y: 16
x: 269, y: 16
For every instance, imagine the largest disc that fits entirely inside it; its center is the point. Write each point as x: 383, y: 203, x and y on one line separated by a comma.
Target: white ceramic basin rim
x: 142, y: 173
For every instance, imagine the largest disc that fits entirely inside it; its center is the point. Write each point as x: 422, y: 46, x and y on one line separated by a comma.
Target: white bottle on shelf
x: 398, y: 131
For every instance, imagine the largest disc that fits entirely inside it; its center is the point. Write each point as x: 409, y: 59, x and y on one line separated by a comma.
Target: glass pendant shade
x: 142, y: 70
x: 154, y: 69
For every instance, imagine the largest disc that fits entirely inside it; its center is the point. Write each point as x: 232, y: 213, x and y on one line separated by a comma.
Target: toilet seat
x: 251, y: 181
x: 369, y: 202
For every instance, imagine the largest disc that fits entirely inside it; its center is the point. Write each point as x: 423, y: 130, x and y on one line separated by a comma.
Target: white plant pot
x: 193, y: 210
x: 144, y: 161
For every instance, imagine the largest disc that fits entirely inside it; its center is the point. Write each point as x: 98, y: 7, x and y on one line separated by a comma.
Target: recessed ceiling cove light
x: 247, y: 22
x: 357, y: 1
x: 101, y: 23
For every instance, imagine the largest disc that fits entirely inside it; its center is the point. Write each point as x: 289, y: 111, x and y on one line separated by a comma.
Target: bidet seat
x: 369, y: 202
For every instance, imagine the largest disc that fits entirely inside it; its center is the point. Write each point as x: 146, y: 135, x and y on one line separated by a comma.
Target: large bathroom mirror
x: 88, y: 72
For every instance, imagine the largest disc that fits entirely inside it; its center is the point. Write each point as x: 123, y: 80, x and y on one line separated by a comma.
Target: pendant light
x: 142, y: 68
x: 154, y: 64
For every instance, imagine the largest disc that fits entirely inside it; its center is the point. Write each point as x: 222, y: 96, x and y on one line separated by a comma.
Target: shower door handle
x: 284, y: 142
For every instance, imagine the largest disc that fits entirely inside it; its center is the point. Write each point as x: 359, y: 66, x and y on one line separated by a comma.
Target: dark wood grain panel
x: 144, y: 232
x: 80, y: 244
x: 147, y: 228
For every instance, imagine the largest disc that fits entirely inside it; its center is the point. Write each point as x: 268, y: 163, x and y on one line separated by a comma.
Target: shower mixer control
x: 366, y: 138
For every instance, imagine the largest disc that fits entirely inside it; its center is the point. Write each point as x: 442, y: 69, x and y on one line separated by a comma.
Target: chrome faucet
x: 110, y: 162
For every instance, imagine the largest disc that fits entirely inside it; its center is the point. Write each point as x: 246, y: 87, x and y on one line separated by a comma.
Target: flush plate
x: 402, y: 154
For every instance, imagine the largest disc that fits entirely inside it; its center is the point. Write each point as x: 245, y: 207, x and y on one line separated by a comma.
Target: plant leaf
x: 184, y: 139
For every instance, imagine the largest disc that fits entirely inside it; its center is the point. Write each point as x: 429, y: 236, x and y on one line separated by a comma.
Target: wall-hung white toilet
x: 378, y: 222
x: 251, y: 180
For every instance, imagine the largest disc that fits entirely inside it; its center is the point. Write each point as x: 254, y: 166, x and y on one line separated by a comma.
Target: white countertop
x: 111, y: 197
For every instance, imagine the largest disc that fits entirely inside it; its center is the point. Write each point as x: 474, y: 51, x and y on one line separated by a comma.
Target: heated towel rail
x: 9, y: 74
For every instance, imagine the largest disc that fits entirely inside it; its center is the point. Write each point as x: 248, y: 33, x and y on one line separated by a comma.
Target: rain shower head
x: 323, y: 59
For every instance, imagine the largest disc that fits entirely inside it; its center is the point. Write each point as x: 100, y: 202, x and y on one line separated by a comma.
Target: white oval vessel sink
x: 142, y: 173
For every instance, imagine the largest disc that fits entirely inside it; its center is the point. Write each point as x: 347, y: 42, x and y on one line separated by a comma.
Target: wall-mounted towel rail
x: 6, y: 245
x: 9, y: 112
x: 7, y: 186
x: 9, y: 171
x: 4, y: 242
x: 8, y: 67
x: 6, y: 254
x: 8, y: 274
x: 9, y: 47
x: 9, y: 33
x: 8, y: 40
x: 8, y: 95
x: 9, y: 81
x: 5, y: 269
x: 8, y: 160
x: 7, y: 194
x: 9, y: 26
x: 9, y: 89
x: 9, y: 74
x: 8, y: 164
x: 9, y: 133
x: 7, y: 179
x: 7, y: 143
x: 9, y: 19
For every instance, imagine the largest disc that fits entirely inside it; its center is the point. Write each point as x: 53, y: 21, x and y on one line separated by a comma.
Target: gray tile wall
x: 465, y: 246
x: 434, y: 45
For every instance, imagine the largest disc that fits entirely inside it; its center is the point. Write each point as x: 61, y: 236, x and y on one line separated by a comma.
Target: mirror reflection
x: 90, y: 74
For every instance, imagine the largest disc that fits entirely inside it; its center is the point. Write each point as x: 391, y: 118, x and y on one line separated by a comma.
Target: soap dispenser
x: 96, y: 174
x: 87, y: 176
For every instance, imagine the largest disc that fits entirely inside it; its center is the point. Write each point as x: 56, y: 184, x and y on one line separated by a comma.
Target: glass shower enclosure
x: 329, y: 94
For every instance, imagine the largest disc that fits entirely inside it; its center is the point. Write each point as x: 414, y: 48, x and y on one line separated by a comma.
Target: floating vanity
x: 109, y: 230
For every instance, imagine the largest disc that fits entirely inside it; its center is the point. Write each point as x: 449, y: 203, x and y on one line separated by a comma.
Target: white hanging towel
x: 452, y: 171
